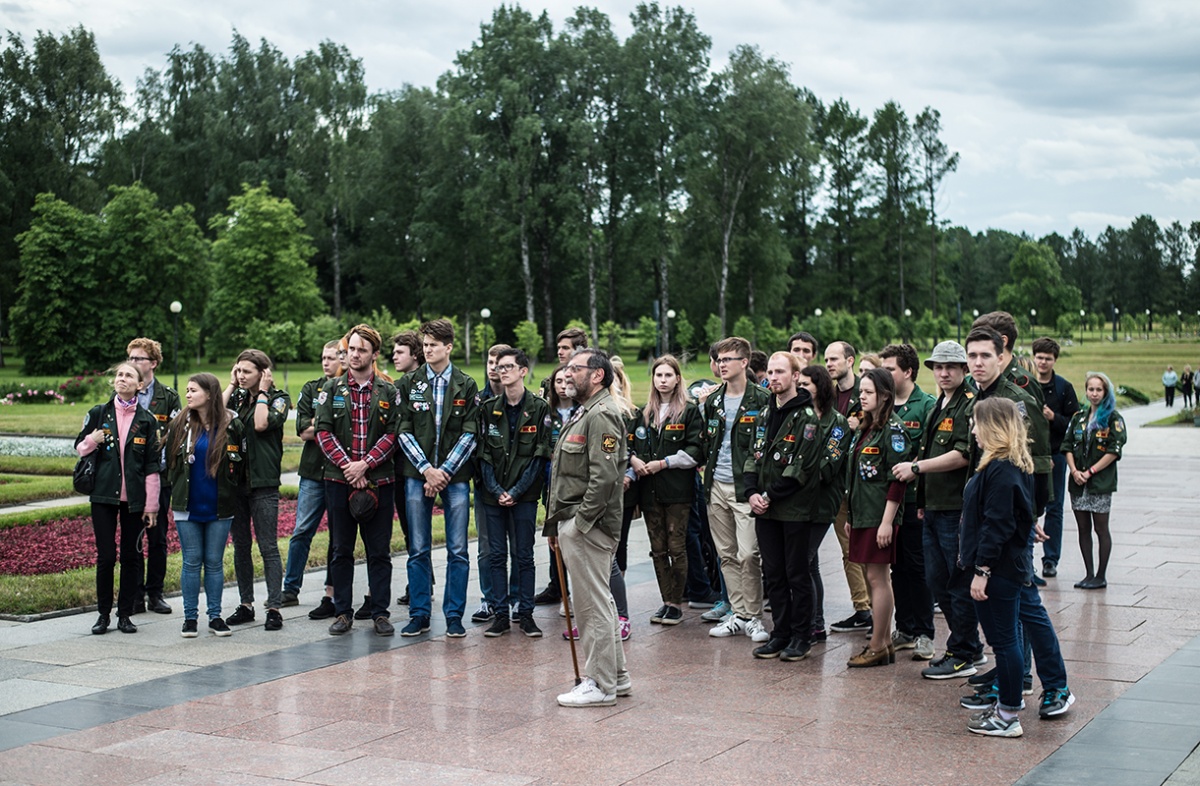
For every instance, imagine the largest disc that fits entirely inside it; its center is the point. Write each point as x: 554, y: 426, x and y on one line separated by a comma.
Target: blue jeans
x: 457, y: 506
x: 998, y: 616
x: 1038, y: 634
x: 1053, y: 524
x: 202, y: 543
x: 310, y: 507
x: 949, y: 585
x: 517, y: 525
x: 483, y: 560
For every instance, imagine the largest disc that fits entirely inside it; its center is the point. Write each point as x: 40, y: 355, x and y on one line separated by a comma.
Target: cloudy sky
x: 1075, y: 113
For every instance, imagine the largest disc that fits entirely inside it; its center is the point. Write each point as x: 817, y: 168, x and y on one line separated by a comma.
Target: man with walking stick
x: 584, y: 524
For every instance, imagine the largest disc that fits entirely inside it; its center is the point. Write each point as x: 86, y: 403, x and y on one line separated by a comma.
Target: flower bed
x: 33, y: 396
x: 38, y: 447
x: 59, y: 545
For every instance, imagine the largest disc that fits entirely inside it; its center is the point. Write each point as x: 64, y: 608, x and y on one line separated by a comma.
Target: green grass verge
x: 21, y: 488
x: 33, y: 465
x: 21, y: 519
x: 77, y: 588
x: 1184, y: 417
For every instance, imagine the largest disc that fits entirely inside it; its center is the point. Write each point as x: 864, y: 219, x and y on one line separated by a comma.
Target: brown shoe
x: 384, y: 627
x: 341, y: 625
x: 870, y: 657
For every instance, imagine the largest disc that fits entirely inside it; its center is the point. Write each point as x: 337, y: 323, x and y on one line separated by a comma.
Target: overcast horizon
x: 1078, y: 114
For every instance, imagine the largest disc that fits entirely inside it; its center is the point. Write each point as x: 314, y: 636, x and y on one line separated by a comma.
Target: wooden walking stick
x: 562, y: 583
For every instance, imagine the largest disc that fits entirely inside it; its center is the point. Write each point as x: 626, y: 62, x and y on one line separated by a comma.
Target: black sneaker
x: 274, y: 620
x: 948, y: 667
x: 364, y: 611
x: 1027, y: 685
x: 858, y: 621
x: 342, y: 625
x: 657, y: 617
x: 455, y: 629
x: 1049, y: 569
x: 982, y: 680
x: 1055, y: 702
x: 324, y: 610
x: 672, y: 616
x: 547, y: 597
x: 403, y: 599
x: 981, y: 699
x: 217, y: 627
x: 797, y: 649
x: 529, y: 627
x: 500, y: 626
x: 818, y: 635
x: 189, y: 629
x: 290, y: 598
x: 482, y: 614
x: 240, y: 615
x: 771, y: 649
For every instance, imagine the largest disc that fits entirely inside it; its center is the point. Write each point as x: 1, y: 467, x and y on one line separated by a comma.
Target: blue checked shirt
x: 462, y: 449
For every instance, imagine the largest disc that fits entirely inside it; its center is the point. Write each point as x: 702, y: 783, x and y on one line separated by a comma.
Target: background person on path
x: 1186, y: 382
x: 1169, y: 380
x: 1093, y: 446
x: 162, y: 402
x: 125, y: 438
x: 207, y: 468
x: 1060, y: 406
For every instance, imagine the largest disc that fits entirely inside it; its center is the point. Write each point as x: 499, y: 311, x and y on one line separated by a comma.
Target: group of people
x: 934, y: 498
x: 1185, y: 383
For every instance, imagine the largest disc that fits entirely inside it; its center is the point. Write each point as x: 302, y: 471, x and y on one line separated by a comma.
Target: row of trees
x: 550, y: 175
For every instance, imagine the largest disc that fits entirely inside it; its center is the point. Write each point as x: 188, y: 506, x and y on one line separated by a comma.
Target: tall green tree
x: 1037, y: 284
x: 261, y: 254
x: 844, y: 155
x: 935, y: 162
x: 889, y: 145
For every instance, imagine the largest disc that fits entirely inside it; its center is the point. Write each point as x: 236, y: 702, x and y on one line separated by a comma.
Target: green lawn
x: 23, y: 488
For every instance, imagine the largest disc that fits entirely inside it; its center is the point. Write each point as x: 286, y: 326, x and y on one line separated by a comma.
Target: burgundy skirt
x: 865, y: 550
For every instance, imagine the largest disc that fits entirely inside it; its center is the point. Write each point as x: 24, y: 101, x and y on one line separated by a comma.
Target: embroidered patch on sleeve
x: 608, y: 443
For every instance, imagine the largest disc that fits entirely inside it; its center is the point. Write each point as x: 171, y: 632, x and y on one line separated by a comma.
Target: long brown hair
x: 676, y: 402
x: 188, y: 422
x: 885, y: 397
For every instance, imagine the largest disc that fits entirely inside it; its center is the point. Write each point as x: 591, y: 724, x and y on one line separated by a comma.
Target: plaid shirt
x: 360, y: 414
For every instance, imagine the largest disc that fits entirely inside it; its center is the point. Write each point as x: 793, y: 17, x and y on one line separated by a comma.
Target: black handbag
x: 84, y: 477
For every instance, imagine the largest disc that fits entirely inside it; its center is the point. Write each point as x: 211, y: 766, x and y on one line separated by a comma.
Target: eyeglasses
x: 133, y: 359
x: 507, y: 367
x: 726, y: 361
x: 573, y: 368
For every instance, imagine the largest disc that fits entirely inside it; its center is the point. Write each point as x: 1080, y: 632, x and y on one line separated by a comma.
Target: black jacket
x: 997, y: 518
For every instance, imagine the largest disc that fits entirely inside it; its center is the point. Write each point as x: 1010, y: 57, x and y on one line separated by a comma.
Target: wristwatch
x: 916, y: 468
x: 985, y: 572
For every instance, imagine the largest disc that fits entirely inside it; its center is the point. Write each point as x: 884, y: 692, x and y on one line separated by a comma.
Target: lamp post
x: 1082, y: 327
x: 817, y: 314
x: 1179, y: 316
x: 907, y: 323
x: 1116, y: 312
x: 667, y: 341
x: 176, y: 307
x: 1032, y: 318
x: 1149, y: 324
x: 485, y: 314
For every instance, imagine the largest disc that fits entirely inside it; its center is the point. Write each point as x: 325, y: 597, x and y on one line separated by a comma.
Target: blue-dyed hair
x: 1107, y: 405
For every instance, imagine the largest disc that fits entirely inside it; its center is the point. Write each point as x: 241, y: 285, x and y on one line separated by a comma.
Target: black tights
x: 1086, y: 521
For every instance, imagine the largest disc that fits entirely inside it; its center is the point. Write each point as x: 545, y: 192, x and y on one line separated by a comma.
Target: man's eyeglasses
x: 507, y: 367
x: 575, y: 367
x: 133, y: 359
x: 727, y: 361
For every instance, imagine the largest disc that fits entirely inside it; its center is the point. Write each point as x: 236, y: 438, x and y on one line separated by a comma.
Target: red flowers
x: 58, y: 545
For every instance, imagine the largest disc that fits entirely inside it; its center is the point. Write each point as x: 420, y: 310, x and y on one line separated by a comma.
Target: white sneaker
x: 756, y: 631
x: 625, y: 685
x: 587, y: 694
x: 733, y: 626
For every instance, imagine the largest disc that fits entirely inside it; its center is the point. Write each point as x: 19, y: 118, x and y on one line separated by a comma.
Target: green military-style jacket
x: 837, y: 437
x: 264, y: 449
x: 670, y: 486
x: 460, y: 415
x: 164, y: 406
x: 142, y: 455
x: 741, y: 442
x: 231, y: 476
x: 334, y: 413
x: 509, y: 454
x: 1088, y: 447
x: 948, y: 430
x: 1039, y: 429
x: 1020, y: 377
x: 795, y: 452
x: 312, y: 460
x: 915, y: 414
x: 869, y: 472
x: 587, y: 469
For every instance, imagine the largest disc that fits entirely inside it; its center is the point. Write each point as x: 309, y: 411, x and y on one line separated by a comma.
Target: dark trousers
x: 697, y: 587
x: 1038, y: 633
x: 377, y: 540
x: 156, y: 551
x: 816, y: 534
x: 515, y: 525
x: 998, y: 616
x: 105, y: 520
x: 783, y: 546
x: 914, y: 602
x: 950, y: 586
x: 1170, y: 392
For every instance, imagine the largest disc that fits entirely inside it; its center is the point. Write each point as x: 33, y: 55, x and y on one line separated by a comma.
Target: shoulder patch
x: 280, y: 405
x: 837, y: 432
x: 608, y: 443
x: 1118, y: 426
x: 322, y: 398
x: 899, y: 443
x: 810, y: 431
x: 1021, y: 407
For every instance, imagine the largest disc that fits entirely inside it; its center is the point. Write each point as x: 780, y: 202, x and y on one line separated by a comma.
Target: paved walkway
x: 299, y: 706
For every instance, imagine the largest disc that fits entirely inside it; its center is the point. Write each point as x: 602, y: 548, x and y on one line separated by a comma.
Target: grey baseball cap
x: 947, y: 352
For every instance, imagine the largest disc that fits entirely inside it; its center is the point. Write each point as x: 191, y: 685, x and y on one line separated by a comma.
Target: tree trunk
x: 932, y: 253
x: 526, y: 273
x: 337, y: 266
x: 547, y: 299
x: 591, y: 252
